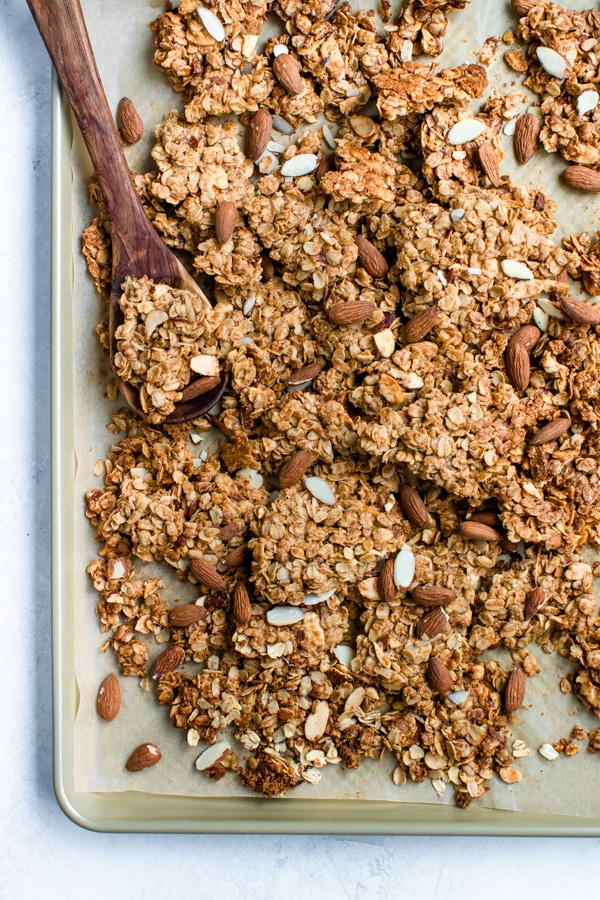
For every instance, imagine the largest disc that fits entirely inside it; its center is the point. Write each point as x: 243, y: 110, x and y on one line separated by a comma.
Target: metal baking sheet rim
x: 146, y: 813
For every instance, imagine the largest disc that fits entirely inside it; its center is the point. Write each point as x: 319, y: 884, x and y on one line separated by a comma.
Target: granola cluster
x: 380, y: 513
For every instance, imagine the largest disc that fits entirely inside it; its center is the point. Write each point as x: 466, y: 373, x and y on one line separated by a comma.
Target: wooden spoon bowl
x: 137, y: 250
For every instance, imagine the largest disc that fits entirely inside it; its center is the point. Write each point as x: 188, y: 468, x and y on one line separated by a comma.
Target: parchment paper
x: 569, y: 786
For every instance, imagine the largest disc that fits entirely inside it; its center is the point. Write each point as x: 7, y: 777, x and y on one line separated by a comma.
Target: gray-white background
x: 42, y: 854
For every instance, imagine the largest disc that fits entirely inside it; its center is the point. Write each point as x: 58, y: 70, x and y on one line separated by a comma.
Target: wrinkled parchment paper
x: 568, y: 786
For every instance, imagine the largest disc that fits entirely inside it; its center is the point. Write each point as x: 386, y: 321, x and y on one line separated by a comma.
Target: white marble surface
x: 42, y: 854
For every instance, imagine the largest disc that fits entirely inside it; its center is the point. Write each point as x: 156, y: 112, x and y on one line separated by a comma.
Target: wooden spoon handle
x: 62, y: 27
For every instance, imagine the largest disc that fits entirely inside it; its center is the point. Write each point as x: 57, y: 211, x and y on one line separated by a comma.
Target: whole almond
x: 477, y: 531
x: 294, y: 468
x: 528, y: 336
x: 486, y: 517
x: 326, y: 165
x: 242, y: 610
x: 580, y: 312
x: 227, y: 532
x: 508, y: 546
x: 439, y: 677
x: 167, y: 661
x: 350, y: 312
x: 522, y: 7
x: 260, y: 133
x: 534, y: 603
x: 518, y: 367
x: 432, y: 624
x: 514, y: 692
x: 305, y: 374
x: 118, y: 567
x: 143, y: 757
x: 200, y: 386
x: 488, y: 160
x: 527, y: 133
x: 108, y: 702
x: 287, y: 73
x: 129, y: 121
x: 582, y: 179
x: 226, y: 216
x: 414, y: 508
x: 268, y: 269
x: 372, y: 260
x: 550, y: 432
x: 236, y: 556
x: 207, y: 574
x: 420, y: 325
x: 385, y: 582
x: 187, y: 614
x: 432, y: 595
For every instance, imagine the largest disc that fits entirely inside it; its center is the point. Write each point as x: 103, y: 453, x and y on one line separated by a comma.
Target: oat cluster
x: 389, y: 408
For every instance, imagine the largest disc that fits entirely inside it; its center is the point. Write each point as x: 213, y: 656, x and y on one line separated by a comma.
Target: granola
x: 333, y: 661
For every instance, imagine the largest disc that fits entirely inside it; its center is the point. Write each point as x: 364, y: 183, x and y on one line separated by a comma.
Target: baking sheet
x: 564, y: 786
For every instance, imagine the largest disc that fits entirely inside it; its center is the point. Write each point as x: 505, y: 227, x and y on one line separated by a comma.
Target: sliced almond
x: 439, y: 677
x: 108, y: 702
x: 466, y: 130
x: 287, y: 73
x: 306, y: 374
x: 316, y: 722
x: 350, y: 312
x: 212, y: 24
x: 582, y: 179
x: 477, y: 531
x: 167, y: 661
x: 385, y: 582
x: 301, y: 164
x: 143, y: 757
x: 242, y: 608
x: 553, y: 63
x: 414, y: 508
x: 282, y: 616
x: 294, y: 468
x: 488, y: 159
x: 200, y: 386
x: 370, y: 257
x: 527, y: 133
x: 512, y: 268
x: 514, y: 692
x: 433, y: 595
x: 320, y: 490
x: 207, y: 574
x: 129, y: 121
x: 404, y: 567
x: 213, y: 755
x: 420, y: 325
x: 550, y: 432
x: 432, y: 624
x: 226, y: 216
x: 587, y: 101
x: 186, y: 614
x: 580, y: 312
x: 259, y: 134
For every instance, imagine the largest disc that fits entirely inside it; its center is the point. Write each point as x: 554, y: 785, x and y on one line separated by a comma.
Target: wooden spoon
x: 137, y: 249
